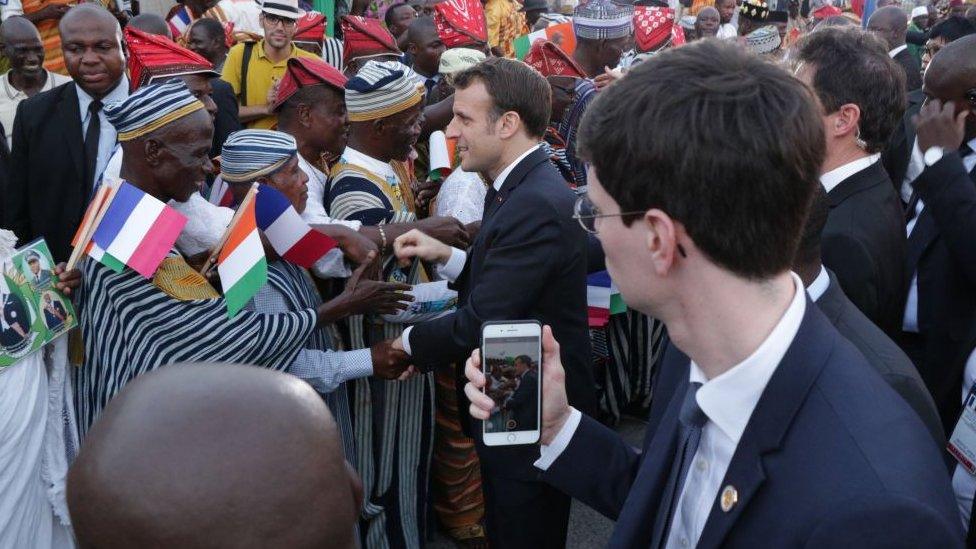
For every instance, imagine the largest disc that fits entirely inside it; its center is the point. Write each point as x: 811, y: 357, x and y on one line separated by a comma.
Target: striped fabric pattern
x: 381, y: 89
x: 131, y: 327
x: 332, y: 51
x: 250, y: 154
x: 603, y: 19
x: 150, y: 108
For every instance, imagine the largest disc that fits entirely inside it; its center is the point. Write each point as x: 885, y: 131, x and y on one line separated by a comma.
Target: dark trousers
x: 520, y: 513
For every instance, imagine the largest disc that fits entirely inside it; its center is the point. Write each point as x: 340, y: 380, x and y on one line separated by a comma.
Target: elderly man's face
x: 199, y: 86
x: 292, y: 181
x: 180, y: 155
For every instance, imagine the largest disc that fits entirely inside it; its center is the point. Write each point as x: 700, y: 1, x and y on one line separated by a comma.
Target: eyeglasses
x: 587, y: 213
x: 274, y: 20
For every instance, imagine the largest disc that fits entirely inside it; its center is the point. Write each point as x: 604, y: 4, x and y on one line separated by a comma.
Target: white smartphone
x: 511, y: 358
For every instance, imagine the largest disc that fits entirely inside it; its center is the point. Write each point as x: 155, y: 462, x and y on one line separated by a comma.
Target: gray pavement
x: 587, y: 528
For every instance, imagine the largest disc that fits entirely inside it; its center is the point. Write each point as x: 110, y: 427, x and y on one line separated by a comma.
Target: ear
x: 845, y: 120
x: 153, y: 150
x: 305, y: 115
x: 511, y: 123
x: 662, y: 240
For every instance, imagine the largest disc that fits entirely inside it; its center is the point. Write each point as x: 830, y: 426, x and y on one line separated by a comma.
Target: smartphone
x: 511, y: 357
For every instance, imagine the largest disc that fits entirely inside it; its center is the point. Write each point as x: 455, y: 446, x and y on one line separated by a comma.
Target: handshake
x: 391, y: 362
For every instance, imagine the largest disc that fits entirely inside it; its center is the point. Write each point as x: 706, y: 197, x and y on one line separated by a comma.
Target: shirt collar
x: 818, y: 287
x: 374, y: 165
x: 260, y: 50
x: 837, y: 175
x: 14, y: 93
x: 118, y: 93
x: 729, y: 399
x: 500, y: 180
x: 897, y: 50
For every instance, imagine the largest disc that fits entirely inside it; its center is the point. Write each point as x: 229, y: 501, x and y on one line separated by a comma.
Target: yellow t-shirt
x: 261, y: 75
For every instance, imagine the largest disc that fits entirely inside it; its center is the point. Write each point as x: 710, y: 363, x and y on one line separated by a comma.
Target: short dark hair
x: 213, y: 28
x: 418, y: 26
x: 808, y: 251
x: 512, y: 86
x: 742, y: 173
x: 952, y: 29
x: 853, y: 66
x: 391, y: 12
x: 524, y: 359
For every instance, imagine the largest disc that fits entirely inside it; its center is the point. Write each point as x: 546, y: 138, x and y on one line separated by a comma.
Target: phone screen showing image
x: 511, y: 368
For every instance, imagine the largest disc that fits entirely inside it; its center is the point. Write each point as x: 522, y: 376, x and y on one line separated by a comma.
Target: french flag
x: 138, y: 230
x: 287, y: 232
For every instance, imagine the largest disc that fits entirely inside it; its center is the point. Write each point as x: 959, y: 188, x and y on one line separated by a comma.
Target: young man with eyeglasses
x: 254, y: 68
x: 528, y: 261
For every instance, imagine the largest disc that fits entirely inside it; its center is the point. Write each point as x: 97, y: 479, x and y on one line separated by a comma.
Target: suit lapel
x: 767, y: 428
x: 71, y: 124
x: 924, y: 233
x: 515, y: 178
x: 864, y: 179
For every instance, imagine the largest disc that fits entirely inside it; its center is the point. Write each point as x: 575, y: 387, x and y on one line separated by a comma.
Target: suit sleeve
x: 517, y: 266
x: 950, y: 194
x: 15, y: 196
x: 888, y: 520
x: 856, y: 271
x: 597, y: 468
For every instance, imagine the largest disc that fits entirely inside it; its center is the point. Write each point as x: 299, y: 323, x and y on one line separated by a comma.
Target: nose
x: 208, y: 103
x: 451, y: 131
x: 208, y: 166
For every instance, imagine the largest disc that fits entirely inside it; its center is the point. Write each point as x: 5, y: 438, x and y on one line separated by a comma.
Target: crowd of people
x: 783, y: 194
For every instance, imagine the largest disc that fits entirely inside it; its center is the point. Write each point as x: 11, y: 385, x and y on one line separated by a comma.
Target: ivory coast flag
x: 241, y: 263
x: 562, y: 35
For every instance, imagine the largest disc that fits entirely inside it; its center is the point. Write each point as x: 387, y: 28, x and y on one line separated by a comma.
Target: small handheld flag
x: 562, y: 35
x: 602, y: 299
x: 287, y: 232
x: 82, y: 240
x: 241, y: 264
x: 138, y: 230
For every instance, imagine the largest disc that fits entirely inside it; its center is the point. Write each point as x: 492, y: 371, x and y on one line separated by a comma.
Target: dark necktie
x: 429, y: 84
x: 691, y: 421
x: 91, y: 142
x: 489, y: 198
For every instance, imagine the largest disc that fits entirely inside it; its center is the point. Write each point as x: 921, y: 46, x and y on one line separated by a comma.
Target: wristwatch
x: 933, y: 155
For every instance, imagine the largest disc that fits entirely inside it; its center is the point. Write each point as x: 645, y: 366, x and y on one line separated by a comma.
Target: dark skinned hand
x: 448, y: 230
x: 68, y: 281
x: 365, y: 296
x: 423, y: 194
x: 355, y: 246
x: 472, y: 229
x: 388, y: 363
x: 50, y: 11
x: 938, y: 125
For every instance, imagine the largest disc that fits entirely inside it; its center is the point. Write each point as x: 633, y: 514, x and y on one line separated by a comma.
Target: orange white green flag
x: 241, y: 264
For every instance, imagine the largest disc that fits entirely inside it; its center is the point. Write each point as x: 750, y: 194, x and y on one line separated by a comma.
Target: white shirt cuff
x: 549, y: 454
x: 451, y: 270
x: 405, y: 339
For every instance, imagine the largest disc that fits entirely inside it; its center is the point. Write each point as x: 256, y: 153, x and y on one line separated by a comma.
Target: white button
x: 701, y: 465
x: 684, y: 542
x: 511, y: 438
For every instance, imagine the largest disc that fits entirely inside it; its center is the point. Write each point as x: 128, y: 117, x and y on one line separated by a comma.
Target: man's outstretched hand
x: 415, y: 243
x: 555, y: 405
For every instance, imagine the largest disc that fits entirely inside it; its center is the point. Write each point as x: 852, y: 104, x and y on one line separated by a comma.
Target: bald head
x: 91, y: 41
x: 89, y: 14
x: 951, y: 76
x: 891, y: 23
x: 213, y: 455
x: 151, y: 23
x: 22, y: 46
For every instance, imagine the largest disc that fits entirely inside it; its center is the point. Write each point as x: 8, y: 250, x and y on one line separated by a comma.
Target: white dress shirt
x: 819, y: 286
x: 836, y: 176
x: 452, y: 268
x: 331, y: 265
x: 107, y: 135
x: 915, y: 166
x: 726, y: 31
x: 897, y: 50
x: 728, y: 401
x: 910, y: 318
x: 10, y: 97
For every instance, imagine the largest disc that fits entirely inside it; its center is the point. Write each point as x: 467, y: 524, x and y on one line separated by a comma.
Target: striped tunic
x: 393, y: 421
x: 130, y: 327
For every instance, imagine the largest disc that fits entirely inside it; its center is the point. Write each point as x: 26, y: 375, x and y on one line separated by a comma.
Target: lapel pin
x: 730, y: 496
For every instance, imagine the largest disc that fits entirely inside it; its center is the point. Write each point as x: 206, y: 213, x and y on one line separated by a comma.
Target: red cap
x: 364, y: 36
x: 310, y: 28
x: 461, y: 22
x: 152, y: 56
x: 550, y: 60
x: 653, y: 27
x: 827, y: 11
x: 307, y: 71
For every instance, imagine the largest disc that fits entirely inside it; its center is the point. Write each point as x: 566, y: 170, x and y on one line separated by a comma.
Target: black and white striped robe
x: 131, y: 327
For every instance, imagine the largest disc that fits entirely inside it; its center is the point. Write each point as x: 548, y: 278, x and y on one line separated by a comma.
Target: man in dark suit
x: 883, y: 354
x: 891, y: 24
x: 523, y: 401
x: 902, y: 159
x: 780, y: 434
x: 528, y: 261
x: 861, y: 92
x: 941, y: 262
x: 61, y: 138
